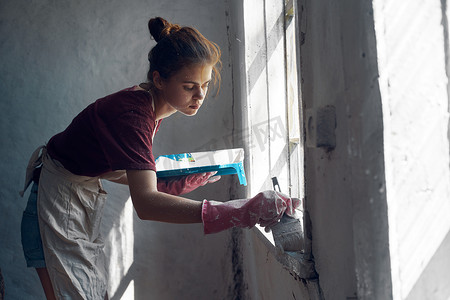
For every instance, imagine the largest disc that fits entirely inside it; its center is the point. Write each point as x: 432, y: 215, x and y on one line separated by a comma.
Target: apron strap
x: 34, y: 162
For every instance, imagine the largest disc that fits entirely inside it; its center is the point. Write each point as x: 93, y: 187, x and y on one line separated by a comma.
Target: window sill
x: 298, y: 262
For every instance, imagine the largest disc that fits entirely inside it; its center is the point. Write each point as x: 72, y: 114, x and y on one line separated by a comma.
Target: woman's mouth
x: 194, y: 106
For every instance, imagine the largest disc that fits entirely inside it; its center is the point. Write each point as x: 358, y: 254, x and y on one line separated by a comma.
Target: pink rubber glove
x: 266, y: 208
x: 184, y: 184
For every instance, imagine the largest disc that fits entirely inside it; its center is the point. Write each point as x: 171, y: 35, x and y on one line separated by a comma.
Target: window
x: 274, y: 143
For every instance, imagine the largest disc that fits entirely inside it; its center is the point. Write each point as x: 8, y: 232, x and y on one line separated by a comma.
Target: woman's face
x: 186, y: 89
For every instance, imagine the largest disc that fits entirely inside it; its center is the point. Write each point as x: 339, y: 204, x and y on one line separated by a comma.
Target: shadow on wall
x: 117, y: 228
x: 161, y: 260
x: 124, y: 283
x: 2, y: 286
x: 433, y: 282
x: 274, y: 37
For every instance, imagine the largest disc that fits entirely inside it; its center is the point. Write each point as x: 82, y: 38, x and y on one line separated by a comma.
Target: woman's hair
x: 178, y: 47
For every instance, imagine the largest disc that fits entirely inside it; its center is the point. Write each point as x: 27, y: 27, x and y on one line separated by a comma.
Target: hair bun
x: 160, y: 28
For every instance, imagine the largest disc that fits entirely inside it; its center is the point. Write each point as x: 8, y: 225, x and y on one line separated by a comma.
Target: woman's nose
x: 199, y: 93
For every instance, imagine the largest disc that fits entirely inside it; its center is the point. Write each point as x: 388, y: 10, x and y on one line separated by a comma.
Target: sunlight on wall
x: 129, y: 293
x: 273, y: 110
x: 415, y: 107
x: 121, y: 237
x: 256, y: 68
x: 265, y: 57
x: 273, y: 99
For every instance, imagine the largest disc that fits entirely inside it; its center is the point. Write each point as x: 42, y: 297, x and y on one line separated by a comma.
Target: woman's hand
x: 266, y: 208
x: 181, y: 185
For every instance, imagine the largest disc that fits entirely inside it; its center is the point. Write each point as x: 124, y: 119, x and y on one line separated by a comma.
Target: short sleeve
x: 126, y: 138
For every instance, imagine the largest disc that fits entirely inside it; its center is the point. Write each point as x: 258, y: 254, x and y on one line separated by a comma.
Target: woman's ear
x: 157, y: 80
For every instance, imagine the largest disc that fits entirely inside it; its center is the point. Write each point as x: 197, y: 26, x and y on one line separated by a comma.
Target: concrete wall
x: 57, y: 57
x: 379, y: 201
x: 345, y: 193
x: 412, y: 57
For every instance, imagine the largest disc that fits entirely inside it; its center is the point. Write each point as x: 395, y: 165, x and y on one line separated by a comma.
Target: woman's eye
x: 188, y: 88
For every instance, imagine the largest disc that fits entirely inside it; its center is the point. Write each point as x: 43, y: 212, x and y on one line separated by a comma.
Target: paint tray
x: 225, y: 162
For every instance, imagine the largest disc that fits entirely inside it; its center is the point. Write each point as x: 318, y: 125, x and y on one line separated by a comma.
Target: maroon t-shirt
x: 113, y: 133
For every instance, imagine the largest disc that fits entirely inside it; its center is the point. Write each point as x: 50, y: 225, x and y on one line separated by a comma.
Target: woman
x: 112, y: 139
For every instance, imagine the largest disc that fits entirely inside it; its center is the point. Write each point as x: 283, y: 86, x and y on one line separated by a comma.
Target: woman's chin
x: 190, y: 112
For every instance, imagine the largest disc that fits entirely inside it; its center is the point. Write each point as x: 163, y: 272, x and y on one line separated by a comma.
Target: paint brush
x: 288, y: 232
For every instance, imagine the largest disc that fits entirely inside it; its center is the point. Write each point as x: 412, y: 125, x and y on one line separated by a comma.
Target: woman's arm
x: 157, y: 206
x: 116, y: 176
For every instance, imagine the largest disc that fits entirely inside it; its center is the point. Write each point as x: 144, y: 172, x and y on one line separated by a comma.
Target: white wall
x: 57, y: 57
x: 413, y: 80
x: 344, y: 187
x: 379, y: 202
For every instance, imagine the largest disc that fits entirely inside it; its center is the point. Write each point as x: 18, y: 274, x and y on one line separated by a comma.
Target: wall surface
x: 379, y: 201
x: 344, y: 187
x: 57, y: 57
x: 412, y: 62
x: 390, y: 165
x: 257, y: 47
x: 265, y: 277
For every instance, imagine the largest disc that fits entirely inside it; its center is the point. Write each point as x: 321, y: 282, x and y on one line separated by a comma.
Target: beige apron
x: 70, y: 210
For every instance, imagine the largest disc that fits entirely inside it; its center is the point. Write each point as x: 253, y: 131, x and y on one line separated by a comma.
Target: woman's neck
x: 162, y: 108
